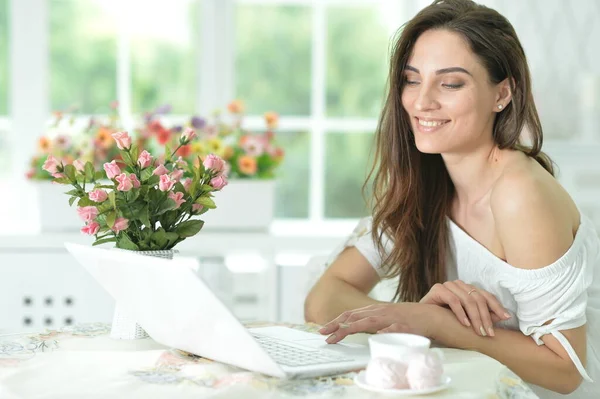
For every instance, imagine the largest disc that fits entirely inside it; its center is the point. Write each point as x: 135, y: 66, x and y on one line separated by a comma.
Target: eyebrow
x: 441, y: 71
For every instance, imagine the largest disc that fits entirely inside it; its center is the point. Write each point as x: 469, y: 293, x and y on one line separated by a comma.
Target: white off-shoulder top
x: 566, y: 292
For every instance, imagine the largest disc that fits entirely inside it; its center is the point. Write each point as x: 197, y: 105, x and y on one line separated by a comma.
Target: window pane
x: 164, y: 48
x: 293, y: 176
x: 273, y: 45
x: 357, y: 51
x: 3, y: 58
x: 82, y: 55
x: 346, y: 167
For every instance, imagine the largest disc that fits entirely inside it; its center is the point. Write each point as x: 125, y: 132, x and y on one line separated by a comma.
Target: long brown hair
x: 412, y: 191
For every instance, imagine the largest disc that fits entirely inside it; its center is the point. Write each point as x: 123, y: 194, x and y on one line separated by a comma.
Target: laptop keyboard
x: 290, y: 355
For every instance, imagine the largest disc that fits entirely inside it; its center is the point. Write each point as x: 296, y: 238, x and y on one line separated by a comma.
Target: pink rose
x: 187, y: 183
x: 188, y: 135
x: 161, y: 170
x: 177, y: 174
x: 165, y: 184
x: 112, y: 169
x: 134, y: 180
x: 91, y: 228
x: 125, y: 183
x: 120, y: 225
x: 218, y: 182
x: 87, y: 213
x: 79, y: 165
x: 58, y: 175
x: 180, y: 162
x: 197, y: 208
x: 123, y: 140
x: 178, y: 198
x: 145, y: 159
x: 98, y: 195
x: 214, y: 163
x: 51, y: 165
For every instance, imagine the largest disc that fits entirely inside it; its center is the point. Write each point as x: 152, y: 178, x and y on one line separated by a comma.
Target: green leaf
x: 160, y: 238
x: 207, y: 202
x: 100, y: 175
x: 145, y: 218
x: 112, y: 199
x: 189, y: 228
x: 90, y: 173
x: 167, y: 205
x: 70, y: 172
x: 71, y: 200
x: 172, y: 237
x: 110, y: 218
x: 124, y: 242
x: 85, y: 201
x: 73, y: 192
x: 62, y: 180
x: 146, y: 174
x: 105, y: 240
x: 168, y: 151
x: 134, y: 151
x: 153, y: 180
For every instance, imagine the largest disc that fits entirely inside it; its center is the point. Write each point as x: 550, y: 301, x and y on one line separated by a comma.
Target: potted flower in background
x: 70, y: 142
x: 147, y: 206
x: 252, y: 160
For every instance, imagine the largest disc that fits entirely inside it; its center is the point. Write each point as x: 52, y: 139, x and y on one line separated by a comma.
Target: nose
x: 426, y: 100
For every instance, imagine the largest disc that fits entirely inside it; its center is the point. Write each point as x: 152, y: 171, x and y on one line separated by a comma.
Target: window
x: 164, y: 55
x: 273, y: 58
x: 83, y: 49
x: 3, y: 59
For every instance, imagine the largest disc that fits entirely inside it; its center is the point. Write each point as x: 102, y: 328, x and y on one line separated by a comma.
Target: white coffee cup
x: 398, y: 346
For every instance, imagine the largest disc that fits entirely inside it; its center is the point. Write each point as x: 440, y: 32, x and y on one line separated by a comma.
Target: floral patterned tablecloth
x: 83, y: 362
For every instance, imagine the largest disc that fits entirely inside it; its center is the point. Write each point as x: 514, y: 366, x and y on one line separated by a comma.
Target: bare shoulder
x: 535, y: 218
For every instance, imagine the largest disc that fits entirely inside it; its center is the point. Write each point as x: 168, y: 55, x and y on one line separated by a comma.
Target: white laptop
x: 177, y: 309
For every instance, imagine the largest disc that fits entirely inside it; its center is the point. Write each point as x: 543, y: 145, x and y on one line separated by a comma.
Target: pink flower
x: 98, y: 195
x: 79, y: 165
x: 51, y: 165
x: 180, y: 162
x: 57, y: 175
x: 188, y: 135
x: 120, y: 225
x: 165, y: 184
x: 161, y: 170
x: 214, y: 163
x: 145, y: 159
x: 125, y: 183
x: 87, y: 213
x: 91, y: 228
x: 218, y: 182
x: 112, y: 169
x: 123, y: 140
x: 197, y: 208
x: 254, y: 146
x: 178, y: 198
x: 177, y: 174
x: 187, y: 183
x: 134, y: 180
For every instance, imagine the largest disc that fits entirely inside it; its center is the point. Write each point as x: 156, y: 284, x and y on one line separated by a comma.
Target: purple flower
x: 198, y: 123
x: 163, y: 109
x: 177, y: 129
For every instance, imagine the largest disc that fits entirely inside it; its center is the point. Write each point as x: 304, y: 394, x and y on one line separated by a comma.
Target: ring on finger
x: 344, y: 325
x: 472, y: 291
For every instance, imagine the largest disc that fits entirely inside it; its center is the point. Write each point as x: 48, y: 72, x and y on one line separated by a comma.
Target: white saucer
x: 360, y: 381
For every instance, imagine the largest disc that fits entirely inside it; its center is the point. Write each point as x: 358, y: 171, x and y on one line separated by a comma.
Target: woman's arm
x: 345, y: 285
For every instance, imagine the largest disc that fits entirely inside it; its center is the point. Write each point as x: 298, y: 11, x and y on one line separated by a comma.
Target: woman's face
x: 447, y: 95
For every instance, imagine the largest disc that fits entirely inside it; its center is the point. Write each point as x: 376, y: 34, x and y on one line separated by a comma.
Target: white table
x: 83, y: 362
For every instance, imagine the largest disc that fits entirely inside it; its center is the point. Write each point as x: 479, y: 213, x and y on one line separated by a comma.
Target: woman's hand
x: 414, y: 318
x: 472, y: 306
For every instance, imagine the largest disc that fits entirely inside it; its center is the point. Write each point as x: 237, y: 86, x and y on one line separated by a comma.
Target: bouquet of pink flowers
x: 146, y: 205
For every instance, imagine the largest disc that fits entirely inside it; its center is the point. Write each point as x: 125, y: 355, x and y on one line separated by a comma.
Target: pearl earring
x: 499, y: 106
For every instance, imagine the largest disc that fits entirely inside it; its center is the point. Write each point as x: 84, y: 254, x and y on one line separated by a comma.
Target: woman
x: 490, y: 252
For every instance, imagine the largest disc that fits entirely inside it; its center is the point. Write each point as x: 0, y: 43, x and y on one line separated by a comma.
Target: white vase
x: 246, y: 205
x: 56, y: 216
x: 123, y: 325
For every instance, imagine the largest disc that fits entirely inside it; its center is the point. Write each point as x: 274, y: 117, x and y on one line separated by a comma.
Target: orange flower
x: 227, y: 153
x: 247, y: 165
x: 104, y: 138
x: 184, y: 151
x: 163, y: 136
x: 44, y: 144
x: 236, y: 107
x: 272, y: 119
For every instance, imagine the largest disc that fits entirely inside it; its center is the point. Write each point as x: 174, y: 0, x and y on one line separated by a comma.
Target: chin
x: 428, y: 146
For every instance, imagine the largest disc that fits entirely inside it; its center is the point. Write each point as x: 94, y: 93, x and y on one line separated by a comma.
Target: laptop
x: 177, y: 309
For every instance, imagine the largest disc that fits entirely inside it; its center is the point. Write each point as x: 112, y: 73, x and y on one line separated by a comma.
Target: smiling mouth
x: 431, y: 123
